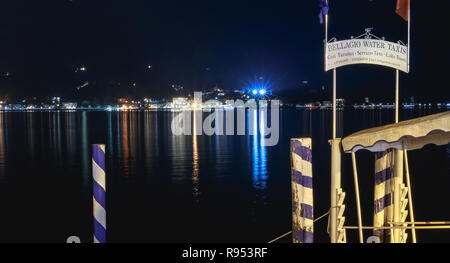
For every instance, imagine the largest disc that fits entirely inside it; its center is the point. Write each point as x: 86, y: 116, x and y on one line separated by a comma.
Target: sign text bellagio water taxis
x: 366, y: 51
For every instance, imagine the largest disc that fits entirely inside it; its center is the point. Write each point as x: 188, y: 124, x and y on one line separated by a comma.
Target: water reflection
x: 178, y: 154
x: 2, y: 145
x: 125, y: 143
x: 195, y: 162
x: 259, y: 161
x: 29, y: 124
x: 70, y: 129
x: 150, y: 137
x: 55, y: 133
x: 340, y: 123
x: 85, y: 148
x: 306, y: 123
x: 231, y: 175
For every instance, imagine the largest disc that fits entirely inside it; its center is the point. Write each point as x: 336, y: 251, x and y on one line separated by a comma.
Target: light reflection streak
x: 259, y: 154
x: 178, y: 154
x: 110, y: 136
x: 195, y: 163
x: 156, y: 137
x: 30, y: 132
x: 125, y: 144
x: 57, y: 129
x: 148, y: 134
x: 2, y: 145
x: 150, y: 142
x: 70, y: 132
x: 84, y: 148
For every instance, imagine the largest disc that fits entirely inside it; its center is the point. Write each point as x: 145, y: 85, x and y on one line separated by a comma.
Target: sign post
x: 366, y: 49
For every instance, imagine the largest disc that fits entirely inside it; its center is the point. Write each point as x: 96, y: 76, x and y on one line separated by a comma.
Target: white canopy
x: 410, y: 135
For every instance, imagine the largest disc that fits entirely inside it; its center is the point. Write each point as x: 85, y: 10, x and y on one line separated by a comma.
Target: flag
x: 323, y: 4
x: 402, y: 9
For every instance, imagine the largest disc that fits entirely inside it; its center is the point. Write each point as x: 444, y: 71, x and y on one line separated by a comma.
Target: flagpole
x: 411, y: 213
x: 326, y: 40
x: 397, y: 73
x: 332, y: 186
x: 333, y: 195
x: 334, y: 76
x: 334, y: 103
x: 409, y: 31
x: 335, y: 155
x: 398, y: 154
x: 398, y: 178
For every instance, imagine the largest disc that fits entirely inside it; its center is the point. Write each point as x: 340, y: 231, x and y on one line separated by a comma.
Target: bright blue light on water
x: 259, y: 156
x: 258, y: 88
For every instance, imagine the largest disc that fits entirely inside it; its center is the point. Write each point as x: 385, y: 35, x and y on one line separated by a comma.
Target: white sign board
x: 366, y: 51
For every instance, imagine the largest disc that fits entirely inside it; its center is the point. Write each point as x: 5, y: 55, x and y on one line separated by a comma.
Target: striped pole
x: 302, y: 191
x: 383, y: 194
x: 99, y: 192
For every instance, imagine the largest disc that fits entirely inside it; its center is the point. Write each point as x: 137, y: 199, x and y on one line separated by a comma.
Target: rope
x: 322, y: 216
x: 290, y: 232
x: 280, y: 237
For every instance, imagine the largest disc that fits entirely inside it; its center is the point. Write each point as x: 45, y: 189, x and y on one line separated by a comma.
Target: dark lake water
x: 166, y: 188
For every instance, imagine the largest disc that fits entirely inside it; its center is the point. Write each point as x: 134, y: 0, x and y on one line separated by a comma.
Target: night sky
x: 199, y: 44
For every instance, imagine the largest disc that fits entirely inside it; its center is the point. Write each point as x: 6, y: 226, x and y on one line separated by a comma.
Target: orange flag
x: 402, y: 9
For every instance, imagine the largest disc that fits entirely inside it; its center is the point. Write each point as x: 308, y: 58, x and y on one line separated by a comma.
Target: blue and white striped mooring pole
x: 99, y: 192
x: 302, y: 191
